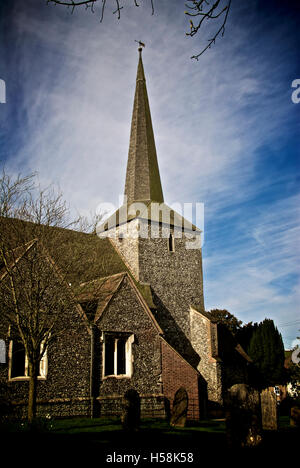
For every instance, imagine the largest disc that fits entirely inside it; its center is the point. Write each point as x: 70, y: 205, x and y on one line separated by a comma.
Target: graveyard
x: 252, y: 423
x: 106, y: 436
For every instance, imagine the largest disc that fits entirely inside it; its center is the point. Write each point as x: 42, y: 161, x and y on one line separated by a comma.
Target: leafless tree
x: 34, y: 292
x: 88, y: 223
x: 198, y: 11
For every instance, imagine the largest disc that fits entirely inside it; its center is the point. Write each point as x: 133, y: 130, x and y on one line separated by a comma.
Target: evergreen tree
x: 245, y: 333
x: 267, y: 352
x: 226, y: 318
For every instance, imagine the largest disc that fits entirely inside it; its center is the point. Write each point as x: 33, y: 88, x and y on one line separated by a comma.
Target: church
x: 138, y: 320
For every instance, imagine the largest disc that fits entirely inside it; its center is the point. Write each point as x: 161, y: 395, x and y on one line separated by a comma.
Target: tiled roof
x: 82, y: 258
x: 94, y: 296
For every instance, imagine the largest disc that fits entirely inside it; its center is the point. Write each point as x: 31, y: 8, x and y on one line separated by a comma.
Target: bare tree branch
x: 72, y: 4
x: 88, y: 224
x: 202, y: 9
x: 207, y: 10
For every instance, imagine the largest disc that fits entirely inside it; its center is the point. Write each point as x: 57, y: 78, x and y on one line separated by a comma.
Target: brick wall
x: 176, y: 373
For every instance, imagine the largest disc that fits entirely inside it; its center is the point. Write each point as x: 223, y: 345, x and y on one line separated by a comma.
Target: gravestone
x: 295, y: 416
x: 269, y: 413
x: 243, y: 416
x: 179, y: 409
x: 131, y: 410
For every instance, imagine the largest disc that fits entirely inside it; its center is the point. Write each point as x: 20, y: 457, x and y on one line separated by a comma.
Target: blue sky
x: 226, y: 129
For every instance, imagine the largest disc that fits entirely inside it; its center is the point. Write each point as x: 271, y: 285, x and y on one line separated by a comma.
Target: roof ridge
x: 14, y: 261
x: 103, y: 278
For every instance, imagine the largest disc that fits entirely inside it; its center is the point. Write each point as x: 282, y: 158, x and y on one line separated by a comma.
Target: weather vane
x: 141, y: 44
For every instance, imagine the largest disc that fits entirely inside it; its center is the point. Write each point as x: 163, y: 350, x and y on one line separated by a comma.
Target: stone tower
x: 160, y: 247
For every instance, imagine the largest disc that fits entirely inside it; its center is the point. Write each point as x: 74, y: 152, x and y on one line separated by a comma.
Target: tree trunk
x: 33, y: 374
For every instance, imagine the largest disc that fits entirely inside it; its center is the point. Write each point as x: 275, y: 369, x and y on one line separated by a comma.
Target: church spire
x: 142, y: 176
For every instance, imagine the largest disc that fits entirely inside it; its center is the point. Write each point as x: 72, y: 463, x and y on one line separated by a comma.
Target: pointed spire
x: 142, y: 176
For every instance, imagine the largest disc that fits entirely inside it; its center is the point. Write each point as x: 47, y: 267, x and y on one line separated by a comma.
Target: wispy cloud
x: 224, y: 131
x: 257, y: 275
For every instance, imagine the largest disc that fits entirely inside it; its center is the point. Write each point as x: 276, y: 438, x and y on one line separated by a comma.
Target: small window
x: 117, y: 355
x: 171, y: 243
x: 19, y: 362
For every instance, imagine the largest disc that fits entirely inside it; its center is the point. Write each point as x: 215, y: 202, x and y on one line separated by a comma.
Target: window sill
x: 123, y: 376
x: 24, y: 378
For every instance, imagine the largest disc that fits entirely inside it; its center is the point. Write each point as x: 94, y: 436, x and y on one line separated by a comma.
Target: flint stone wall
x: 203, y: 340
x: 175, y: 277
x: 65, y: 391
x: 56, y: 408
x: 124, y: 238
x: 126, y: 314
x: 152, y: 406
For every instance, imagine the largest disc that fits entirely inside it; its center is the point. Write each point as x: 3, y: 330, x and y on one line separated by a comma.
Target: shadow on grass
x: 76, y: 438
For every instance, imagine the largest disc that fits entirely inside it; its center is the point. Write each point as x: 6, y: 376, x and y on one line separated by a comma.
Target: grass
x: 98, y: 437
x: 98, y: 425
